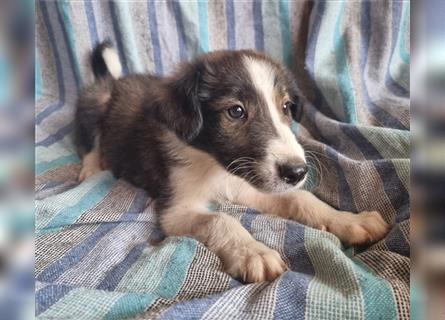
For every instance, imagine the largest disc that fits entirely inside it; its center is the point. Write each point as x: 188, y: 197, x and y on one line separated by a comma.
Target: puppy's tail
x: 105, y: 61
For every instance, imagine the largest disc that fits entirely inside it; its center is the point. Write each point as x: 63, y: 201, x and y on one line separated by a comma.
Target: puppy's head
x: 237, y: 106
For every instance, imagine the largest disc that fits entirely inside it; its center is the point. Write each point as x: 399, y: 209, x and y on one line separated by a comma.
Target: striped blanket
x: 99, y: 251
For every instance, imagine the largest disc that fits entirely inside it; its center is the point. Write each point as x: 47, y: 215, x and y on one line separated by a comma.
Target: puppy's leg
x: 91, y: 162
x: 304, y: 207
x: 242, y: 255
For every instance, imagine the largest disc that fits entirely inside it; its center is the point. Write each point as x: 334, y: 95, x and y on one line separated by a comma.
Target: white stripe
x: 112, y: 61
x: 262, y: 75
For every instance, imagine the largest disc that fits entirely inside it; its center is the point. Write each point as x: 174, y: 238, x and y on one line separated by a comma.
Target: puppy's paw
x: 253, y: 262
x: 88, y: 171
x: 356, y: 229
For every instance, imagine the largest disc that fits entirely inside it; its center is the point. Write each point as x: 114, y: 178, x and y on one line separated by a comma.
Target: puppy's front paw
x: 355, y: 229
x: 253, y: 262
x: 88, y: 171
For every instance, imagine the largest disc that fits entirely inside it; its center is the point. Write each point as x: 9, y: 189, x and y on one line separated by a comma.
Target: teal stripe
x: 399, y: 61
x: 129, y: 305
x: 271, y: 29
x: 325, y: 64
x: 129, y: 43
x: 38, y: 77
x: 417, y: 301
x: 404, y: 54
x: 285, y: 32
x: 64, y: 10
x: 203, y: 26
x: 189, y: 16
x: 343, y: 79
x: 378, y: 299
x: 82, y: 303
x: 172, y: 280
x: 71, y: 213
x: 5, y: 74
x: 177, y: 268
x: 147, y: 272
x: 61, y: 161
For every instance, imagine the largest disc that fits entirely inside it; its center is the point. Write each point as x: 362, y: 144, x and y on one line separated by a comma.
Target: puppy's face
x: 245, y: 103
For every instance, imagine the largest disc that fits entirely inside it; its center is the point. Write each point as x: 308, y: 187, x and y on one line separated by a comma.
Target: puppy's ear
x: 180, y: 108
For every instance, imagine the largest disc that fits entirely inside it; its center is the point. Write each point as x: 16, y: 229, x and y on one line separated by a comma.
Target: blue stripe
x: 291, y: 296
x: 230, y: 16
x: 295, y: 250
x: 258, y: 25
x: 41, y: 167
x: 91, y: 20
x: 394, y: 188
x: 392, y: 85
x: 203, y: 25
x: 385, y: 168
x: 67, y: 31
x: 78, y: 252
x: 343, y: 79
x: 191, y: 309
x: 58, y: 135
x: 285, y: 32
x: 293, y: 285
x: 118, y: 36
x: 180, y: 29
x: 319, y: 102
x: 154, y: 37
x: 404, y: 213
x: 380, y: 114
x: 49, y: 295
x: 59, y: 72
x: 346, y: 200
x: 114, y: 276
x: 395, y: 242
x: 51, y: 109
x: 248, y: 217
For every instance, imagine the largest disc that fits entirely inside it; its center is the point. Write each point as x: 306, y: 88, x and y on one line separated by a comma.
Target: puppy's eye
x: 287, y: 106
x: 236, y: 112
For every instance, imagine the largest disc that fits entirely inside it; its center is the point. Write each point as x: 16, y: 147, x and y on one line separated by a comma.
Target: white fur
x: 285, y: 146
x: 112, y: 61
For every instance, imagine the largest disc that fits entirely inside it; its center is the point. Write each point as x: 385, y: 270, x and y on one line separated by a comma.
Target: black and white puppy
x: 217, y: 130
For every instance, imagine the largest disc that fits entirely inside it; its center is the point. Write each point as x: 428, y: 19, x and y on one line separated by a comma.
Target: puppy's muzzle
x: 292, y: 173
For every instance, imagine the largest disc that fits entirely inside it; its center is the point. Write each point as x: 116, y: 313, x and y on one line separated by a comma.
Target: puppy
x: 216, y: 130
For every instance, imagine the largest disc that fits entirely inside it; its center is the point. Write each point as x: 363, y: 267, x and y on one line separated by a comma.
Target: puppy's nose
x: 292, y: 174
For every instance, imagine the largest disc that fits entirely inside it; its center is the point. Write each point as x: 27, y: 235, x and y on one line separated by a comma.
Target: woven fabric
x: 99, y: 251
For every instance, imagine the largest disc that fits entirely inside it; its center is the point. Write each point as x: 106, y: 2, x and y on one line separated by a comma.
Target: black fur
x: 91, y: 108
x: 98, y: 64
x: 179, y: 109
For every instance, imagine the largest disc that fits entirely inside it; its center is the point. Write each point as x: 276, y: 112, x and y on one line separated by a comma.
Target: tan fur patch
x: 91, y: 162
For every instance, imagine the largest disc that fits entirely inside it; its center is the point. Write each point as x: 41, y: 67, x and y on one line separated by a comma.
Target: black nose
x: 292, y: 174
